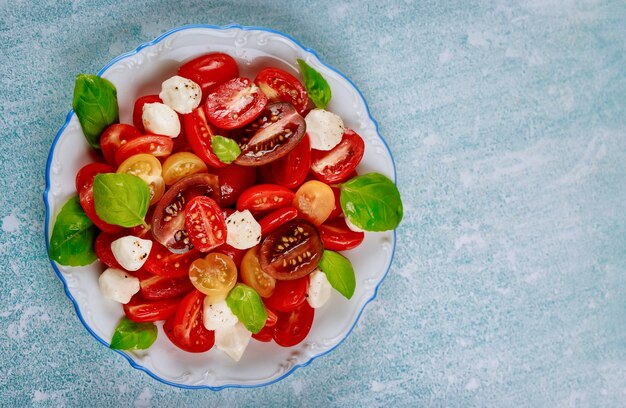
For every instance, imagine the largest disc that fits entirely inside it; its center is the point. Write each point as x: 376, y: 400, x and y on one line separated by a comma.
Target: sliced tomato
x: 288, y: 294
x: 163, y: 262
x: 168, y: 220
x: 281, y: 86
x: 154, y: 287
x: 138, y: 110
x: 277, y: 218
x: 334, y: 166
x: 253, y: 276
x: 84, y: 186
x: 102, y: 247
x: 180, y: 165
x: 186, y: 329
x: 336, y: 235
x: 233, y: 181
x: 214, y: 275
x: 114, y: 137
x: 157, y: 146
x: 205, y: 223
x: 277, y: 130
x: 315, y: 201
x: 234, y: 103
x: 291, y: 170
x: 199, y: 133
x: 210, y: 70
x: 264, y: 197
x: 294, y: 326
x: 233, y: 253
x: 142, y: 310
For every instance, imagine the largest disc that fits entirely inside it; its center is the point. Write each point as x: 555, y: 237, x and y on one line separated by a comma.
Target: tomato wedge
x: 264, y: 197
x: 205, y: 223
x: 158, y: 146
x: 186, y: 328
x: 281, y: 86
x: 288, y: 294
x: 154, y: 287
x: 336, y: 235
x: 336, y: 165
x: 234, y: 103
x: 114, y: 137
x: 84, y: 186
x: 199, y: 132
x: 291, y: 170
x: 294, y: 326
x: 142, y: 310
x: 138, y: 110
x: 163, y: 262
x: 210, y: 70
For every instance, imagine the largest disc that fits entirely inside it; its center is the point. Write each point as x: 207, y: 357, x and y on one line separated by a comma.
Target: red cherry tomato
x: 163, y: 262
x: 114, y: 137
x: 102, y: 247
x: 264, y: 197
x: 154, y: 287
x: 235, y: 254
x: 279, y: 85
x: 205, y: 224
x: 336, y: 235
x: 156, y: 145
x: 337, y: 211
x: 288, y: 294
x: 277, y: 218
x: 138, y: 110
x: 294, y: 326
x: 142, y: 310
x: 187, y: 330
x: 291, y: 170
x: 335, y: 166
x: 84, y: 186
x: 233, y: 180
x: 265, y: 335
x: 210, y: 70
x: 235, y: 103
x: 199, y: 132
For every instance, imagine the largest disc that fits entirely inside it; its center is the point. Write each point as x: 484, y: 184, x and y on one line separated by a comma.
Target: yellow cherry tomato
x: 214, y: 275
x: 315, y: 200
x: 182, y: 164
x: 148, y: 168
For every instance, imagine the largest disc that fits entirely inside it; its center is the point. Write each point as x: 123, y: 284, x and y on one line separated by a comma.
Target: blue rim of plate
x: 47, y: 221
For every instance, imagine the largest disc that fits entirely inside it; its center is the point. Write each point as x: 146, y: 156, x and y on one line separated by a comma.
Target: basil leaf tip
x: 246, y: 304
x: 316, y: 86
x: 371, y: 202
x: 130, y: 335
x: 121, y: 199
x: 226, y: 149
x: 73, y: 235
x: 339, y: 272
x: 95, y: 104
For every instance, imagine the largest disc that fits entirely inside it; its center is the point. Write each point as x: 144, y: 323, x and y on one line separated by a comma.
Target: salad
x: 224, y: 209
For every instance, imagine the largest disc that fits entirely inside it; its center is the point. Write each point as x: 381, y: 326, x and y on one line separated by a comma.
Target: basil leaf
x: 227, y: 150
x: 73, y: 236
x: 315, y: 85
x: 95, y: 104
x: 371, y: 202
x: 133, y: 336
x: 121, y: 198
x: 339, y: 272
x: 246, y: 304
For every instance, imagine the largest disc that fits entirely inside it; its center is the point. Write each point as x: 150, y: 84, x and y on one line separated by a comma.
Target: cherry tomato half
x: 233, y: 181
x: 265, y: 335
x: 315, y: 201
x: 148, y: 168
x: 214, y: 275
x: 205, y: 223
x: 84, y: 186
x: 114, y: 137
x: 291, y: 170
x: 264, y: 197
x: 186, y: 328
x: 199, y: 133
x: 336, y: 235
x: 277, y: 218
x: 336, y: 165
x: 281, y: 86
x: 102, y: 247
x: 157, y: 146
x: 337, y: 211
x: 294, y: 326
x: 138, y: 110
x: 142, y: 310
x: 210, y: 70
x: 181, y: 164
x: 233, y: 253
x: 234, y: 103
x: 253, y: 276
x: 288, y: 295
x: 163, y: 262
x: 154, y: 287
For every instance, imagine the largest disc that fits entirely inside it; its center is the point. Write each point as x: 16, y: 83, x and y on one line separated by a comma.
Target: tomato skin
x: 223, y: 105
x: 102, y: 247
x: 114, y: 137
x: 156, y: 145
x: 336, y: 235
x: 199, y: 132
x: 138, y: 110
x: 337, y: 211
x: 315, y: 201
x: 84, y: 186
x: 281, y: 86
x: 215, y: 275
x: 294, y: 326
x: 233, y: 180
x: 291, y: 170
x: 155, y: 287
x: 142, y: 310
x: 186, y: 330
x: 210, y: 70
x: 264, y: 197
x: 205, y: 223
x: 162, y: 261
x: 277, y: 218
x: 253, y: 275
x: 265, y: 335
x: 336, y: 165
x: 288, y: 294
x: 235, y: 254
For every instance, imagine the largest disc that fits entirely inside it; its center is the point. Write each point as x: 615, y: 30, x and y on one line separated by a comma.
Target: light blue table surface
x: 507, y: 121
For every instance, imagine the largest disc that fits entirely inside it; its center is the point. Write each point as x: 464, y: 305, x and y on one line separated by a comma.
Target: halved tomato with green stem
x: 205, y: 223
x: 234, y: 103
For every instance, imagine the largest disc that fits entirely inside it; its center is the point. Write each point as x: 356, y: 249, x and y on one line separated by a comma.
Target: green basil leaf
x: 121, y: 198
x: 227, y: 150
x: 246, y: 304
x: 95, y: 104
x: 133, y: 336
x: 371, y: 202
x: 73, y: 236
x: 315, y: 85
x: 339, y: 272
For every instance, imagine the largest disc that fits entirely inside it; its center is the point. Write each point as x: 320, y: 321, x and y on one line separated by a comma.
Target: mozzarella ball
x: 181, y: 94
x: 217, y: 315
x: 319, y: 289
x: 160, y: 119
x: 243, y: 231
x: 233, y: 340
x: 131, y: 252
x: 325, y: 129
x: 118, y: 285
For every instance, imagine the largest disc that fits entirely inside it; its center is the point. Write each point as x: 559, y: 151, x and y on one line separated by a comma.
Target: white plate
x: 141, y: 72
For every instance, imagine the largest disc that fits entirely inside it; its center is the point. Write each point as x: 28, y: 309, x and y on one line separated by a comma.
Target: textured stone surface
x: 507, y: 123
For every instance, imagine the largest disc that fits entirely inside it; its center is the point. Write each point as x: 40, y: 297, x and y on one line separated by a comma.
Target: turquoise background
x: 507, y: 121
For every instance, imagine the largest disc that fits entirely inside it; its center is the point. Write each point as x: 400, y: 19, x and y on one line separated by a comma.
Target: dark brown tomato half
x: 291, y: 251
x: 273, y: 134
x: 168, y: 220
